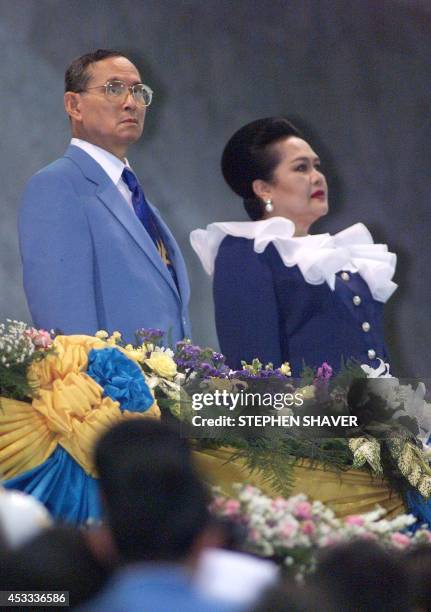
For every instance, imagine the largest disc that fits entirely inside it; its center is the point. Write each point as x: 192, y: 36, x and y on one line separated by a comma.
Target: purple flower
x: 203, y: 362
x: 324, y: 373
x: 259, y: 375
x: 149, y: 335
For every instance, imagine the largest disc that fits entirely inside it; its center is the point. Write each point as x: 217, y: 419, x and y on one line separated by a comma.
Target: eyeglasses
x: 118, y: 90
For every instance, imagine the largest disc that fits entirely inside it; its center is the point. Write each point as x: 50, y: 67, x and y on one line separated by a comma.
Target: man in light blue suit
x: 95, y: 254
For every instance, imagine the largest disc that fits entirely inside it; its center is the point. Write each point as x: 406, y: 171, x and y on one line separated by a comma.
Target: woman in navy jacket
x: 280, y: 293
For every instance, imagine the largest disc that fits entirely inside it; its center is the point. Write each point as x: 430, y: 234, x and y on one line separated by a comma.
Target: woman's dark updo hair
x: 249, y: 155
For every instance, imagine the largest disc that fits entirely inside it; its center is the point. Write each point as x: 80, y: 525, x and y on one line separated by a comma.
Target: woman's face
x: 298, y: 189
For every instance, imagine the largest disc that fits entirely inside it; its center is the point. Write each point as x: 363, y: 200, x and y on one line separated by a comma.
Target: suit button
x: 371, y: 354
x: 345, y: 276
x: 357, y: 300
x: 366, y: 326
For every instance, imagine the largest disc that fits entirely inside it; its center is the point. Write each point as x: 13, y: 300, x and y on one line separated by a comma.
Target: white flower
x: 164, y: 349
x: 382, y: 371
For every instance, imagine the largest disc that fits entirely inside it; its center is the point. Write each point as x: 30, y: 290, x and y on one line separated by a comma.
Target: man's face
x: 112, y: 124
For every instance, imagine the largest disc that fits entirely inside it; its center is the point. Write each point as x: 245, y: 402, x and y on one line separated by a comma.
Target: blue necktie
x: 140, y: 204
x: 145, y: 215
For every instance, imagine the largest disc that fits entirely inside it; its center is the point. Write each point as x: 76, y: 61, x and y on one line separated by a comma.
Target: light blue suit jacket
x: 88, y: 261
x: 153, y: 587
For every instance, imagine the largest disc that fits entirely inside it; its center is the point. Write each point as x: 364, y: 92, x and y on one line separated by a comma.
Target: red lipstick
x: 320, y: 194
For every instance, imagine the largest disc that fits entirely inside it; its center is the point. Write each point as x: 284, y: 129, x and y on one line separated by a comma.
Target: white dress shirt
x: 111, y: 165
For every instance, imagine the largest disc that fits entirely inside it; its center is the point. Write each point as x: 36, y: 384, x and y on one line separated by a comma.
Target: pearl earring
x: 269, y: 207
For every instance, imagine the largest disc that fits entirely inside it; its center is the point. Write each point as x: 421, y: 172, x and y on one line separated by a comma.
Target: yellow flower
x: 114, y: 339
x: 102, y: 334
x: 136, y: 354
x: 285, y: 369
x: 307, y: 392
x: 162, y: 364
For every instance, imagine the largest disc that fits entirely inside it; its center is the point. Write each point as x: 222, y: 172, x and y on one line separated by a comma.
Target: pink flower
x: 400, y: 540
x: 308, y: 527
x: 40, y: 338
x: 329, y: 541
x: 232, y: 507
x: 287, y: 529
x: 302, y: 510
x: 279, y: 503
x: 217, y: 503
x: 355, y: 519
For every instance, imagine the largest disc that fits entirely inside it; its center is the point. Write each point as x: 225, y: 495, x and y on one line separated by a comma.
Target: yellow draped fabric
x: 346, y: 492
x: 69, y: 354
x: 69, y: 410
x: 25, y: 439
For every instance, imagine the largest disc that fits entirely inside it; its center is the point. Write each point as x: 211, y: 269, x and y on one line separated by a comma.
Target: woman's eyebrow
x: 304, y: 158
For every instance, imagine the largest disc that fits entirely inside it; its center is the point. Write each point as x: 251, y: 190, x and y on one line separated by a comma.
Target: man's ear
x: 262, y: 189
x: 72, y: 105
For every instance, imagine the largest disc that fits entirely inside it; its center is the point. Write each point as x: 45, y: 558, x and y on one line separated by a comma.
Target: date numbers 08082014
x: 34, y: 598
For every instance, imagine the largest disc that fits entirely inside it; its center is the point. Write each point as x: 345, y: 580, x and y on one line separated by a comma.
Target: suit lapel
x: 109, y: 195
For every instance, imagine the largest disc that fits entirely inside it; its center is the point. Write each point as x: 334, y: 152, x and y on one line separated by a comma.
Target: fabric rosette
x: 121, y: 378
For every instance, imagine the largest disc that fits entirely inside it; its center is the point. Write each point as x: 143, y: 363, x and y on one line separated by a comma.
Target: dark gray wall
x: 354, y: 73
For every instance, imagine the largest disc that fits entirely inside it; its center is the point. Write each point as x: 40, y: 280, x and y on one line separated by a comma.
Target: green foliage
x: 14, y: 383
x: 349, y: 372
x: 273, y: 466
x: 274, y: 459
x: 307, y: 376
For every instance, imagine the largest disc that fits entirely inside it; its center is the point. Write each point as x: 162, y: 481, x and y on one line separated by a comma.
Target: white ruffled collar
x: 319, y: 256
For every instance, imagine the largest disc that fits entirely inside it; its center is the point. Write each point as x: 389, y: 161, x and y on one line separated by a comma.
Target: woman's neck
x: 301, y: 231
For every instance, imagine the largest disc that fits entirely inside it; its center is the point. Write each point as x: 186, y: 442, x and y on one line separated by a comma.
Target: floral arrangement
x: 292, y: 530
x: 387, y: 443
x: 20, y: 346
x: 63, y: 391
x: 145, y: 374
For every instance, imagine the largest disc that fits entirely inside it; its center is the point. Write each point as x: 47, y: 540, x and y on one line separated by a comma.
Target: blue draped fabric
x: 419, y: 507
x: 63, y: 487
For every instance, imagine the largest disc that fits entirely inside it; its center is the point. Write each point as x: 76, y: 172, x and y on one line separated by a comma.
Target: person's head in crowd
x: 21, y: 517
x: 156, y: 505
x: 58, y: 559
x: 276, y: 172
x: 106, y: 100
x: 417, y: 562
x: 363, y: 577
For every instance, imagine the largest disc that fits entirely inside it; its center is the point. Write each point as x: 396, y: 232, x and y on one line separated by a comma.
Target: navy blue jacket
x: 266, y: 310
